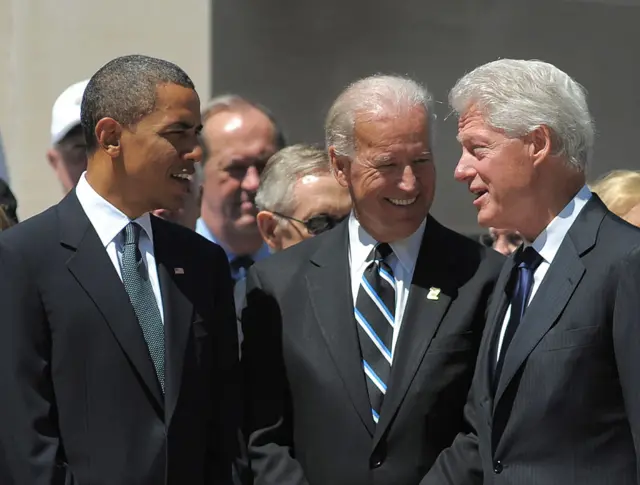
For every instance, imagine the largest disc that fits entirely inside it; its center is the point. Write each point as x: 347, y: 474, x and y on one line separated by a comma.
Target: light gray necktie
x: 136, y: 281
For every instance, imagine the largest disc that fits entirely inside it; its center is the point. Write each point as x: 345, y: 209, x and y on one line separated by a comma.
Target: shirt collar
x: 204, y: 231
x: 548, y: 242
x: 361, y: 243
x: 107, y: 220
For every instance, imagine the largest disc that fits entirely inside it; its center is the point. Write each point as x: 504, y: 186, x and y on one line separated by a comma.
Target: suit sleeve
x: 626, y: 341
x: 30, y: 450
x: 267, y: 422
x: 225, y: 447
x: 459, y: 464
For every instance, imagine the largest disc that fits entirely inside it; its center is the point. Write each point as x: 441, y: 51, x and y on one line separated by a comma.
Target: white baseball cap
x: 66, y: 111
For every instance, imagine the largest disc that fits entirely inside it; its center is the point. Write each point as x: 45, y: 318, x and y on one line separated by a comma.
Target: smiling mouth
x: 403, y: 202
x: 479, y: 193
x: 182, y: 176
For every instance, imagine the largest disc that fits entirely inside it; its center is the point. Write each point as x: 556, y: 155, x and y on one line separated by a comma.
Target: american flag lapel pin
x: 178, y: 270
x: 434, y: 293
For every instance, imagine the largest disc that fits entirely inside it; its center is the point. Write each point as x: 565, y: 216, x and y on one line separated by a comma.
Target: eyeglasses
x: 513, y: 239
x: 317, y: 224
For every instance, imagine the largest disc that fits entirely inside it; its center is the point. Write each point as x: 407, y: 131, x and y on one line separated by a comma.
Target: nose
x: 251, y: 179
x: 464, y: 170
x: 408, y: 182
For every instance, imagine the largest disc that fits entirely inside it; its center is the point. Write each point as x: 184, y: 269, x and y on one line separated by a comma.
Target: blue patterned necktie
x: 526, y: 264
x: 375, y: 316
x: 138, y: 286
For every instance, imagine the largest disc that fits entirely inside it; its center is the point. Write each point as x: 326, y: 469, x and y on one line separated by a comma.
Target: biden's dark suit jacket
x: 307, y: 412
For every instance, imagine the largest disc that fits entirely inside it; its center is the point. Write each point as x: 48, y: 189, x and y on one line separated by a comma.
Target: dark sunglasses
x: 317, y: 224
x: 488, y: 240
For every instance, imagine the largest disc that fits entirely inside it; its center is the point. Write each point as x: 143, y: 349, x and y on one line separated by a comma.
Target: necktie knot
x: 380, y: 252
x: 131, y: 234
x: 529, y: 259
x: 243, y: 262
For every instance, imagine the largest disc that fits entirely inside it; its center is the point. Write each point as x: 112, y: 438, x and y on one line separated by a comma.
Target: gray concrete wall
x: 46, y: 46
x: 296, y: 56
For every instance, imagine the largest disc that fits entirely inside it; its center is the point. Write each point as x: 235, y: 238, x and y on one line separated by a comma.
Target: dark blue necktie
x: 239, y: 266
x: 526, y: 264
x: 375, y: 315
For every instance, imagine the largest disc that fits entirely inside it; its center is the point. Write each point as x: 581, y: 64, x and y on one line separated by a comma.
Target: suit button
x: 497, y: 467
x: 377, y: 459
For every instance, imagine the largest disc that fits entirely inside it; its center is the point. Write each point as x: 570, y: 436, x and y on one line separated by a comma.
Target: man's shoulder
x: 34, y: 232
x: 461, y: 250
x: 616, y: 238
x: 185, y: 239
x: 282, y: 265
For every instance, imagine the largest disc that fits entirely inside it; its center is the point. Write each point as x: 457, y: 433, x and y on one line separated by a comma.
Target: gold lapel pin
x: 434, y: 293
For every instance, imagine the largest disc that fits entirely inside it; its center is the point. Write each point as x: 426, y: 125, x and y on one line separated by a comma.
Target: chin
x: 488, y: 219
x: 247, y: 224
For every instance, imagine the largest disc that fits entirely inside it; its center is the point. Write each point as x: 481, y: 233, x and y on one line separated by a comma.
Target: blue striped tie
x: 375, y: 316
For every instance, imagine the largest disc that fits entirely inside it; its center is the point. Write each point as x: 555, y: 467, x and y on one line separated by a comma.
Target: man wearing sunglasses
x: 298, y: 197
x: 360, y: 343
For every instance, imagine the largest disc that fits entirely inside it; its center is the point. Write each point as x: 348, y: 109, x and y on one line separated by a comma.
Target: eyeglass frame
x: 331, y: 221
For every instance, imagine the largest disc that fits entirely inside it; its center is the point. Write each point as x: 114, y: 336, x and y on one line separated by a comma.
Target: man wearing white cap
x: 67, y: 154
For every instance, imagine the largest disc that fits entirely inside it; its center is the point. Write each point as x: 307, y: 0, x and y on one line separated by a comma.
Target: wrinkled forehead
x: 473, y: 126
x: 394, y: 129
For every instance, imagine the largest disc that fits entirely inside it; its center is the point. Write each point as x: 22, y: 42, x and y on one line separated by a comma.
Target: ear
x: 339, y: 166
x: 109, y: 133
x: 540, y: 144
x: 53, y: 157
x: 267, y: 224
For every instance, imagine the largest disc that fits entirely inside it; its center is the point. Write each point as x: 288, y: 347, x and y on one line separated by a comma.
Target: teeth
x: 182, y: 176
x: 402, y: 201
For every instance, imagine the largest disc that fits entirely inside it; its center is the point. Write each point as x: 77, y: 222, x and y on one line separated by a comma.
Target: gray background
x: 295, y: 56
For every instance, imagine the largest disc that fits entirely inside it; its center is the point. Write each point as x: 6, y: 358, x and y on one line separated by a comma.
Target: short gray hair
x: 125, y: 89
x: 371, y: 96
x: 519, y: 96
x: 283, y: 170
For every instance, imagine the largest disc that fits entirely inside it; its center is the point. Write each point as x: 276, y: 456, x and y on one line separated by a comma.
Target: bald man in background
x: 239, y: 137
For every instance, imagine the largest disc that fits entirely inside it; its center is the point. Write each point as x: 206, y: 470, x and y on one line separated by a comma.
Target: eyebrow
x: 475, y: 138
x: 382, y: 158
x: 181, y: 125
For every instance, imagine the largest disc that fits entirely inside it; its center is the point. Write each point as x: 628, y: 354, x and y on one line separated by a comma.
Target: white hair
x: 283, y: 170
x: 370, y: 97
x: 518, y: 96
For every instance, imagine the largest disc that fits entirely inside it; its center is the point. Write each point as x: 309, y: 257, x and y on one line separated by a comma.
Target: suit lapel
x: 495, y: 316
x: 91, y: 266
x: 422, y: 317
x: 329, y: 284
x: 178, y: 312
x: 555, y: 291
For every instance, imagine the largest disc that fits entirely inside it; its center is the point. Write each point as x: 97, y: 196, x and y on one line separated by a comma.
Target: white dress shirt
x: 547, y: 245
x: 402, y: 263
x: 109, y: 222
